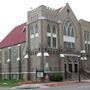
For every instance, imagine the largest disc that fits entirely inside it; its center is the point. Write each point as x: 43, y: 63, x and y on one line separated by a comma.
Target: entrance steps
x: 75, y: 76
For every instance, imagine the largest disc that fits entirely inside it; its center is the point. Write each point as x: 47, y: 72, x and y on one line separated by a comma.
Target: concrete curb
x: 50, y: 84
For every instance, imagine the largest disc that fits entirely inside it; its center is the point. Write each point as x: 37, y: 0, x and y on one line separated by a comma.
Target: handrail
x: 68, y: 74
x: 86, y: 73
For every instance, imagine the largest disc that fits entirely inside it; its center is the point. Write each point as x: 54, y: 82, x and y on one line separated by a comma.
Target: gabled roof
x: 59, y: 9
x: 16, y: 36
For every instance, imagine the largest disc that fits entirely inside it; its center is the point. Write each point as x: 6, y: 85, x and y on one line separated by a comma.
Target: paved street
x: 73, y: 86
x: 76, y: 86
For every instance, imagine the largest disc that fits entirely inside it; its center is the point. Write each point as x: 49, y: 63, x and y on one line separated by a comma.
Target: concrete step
x: 75, y: 76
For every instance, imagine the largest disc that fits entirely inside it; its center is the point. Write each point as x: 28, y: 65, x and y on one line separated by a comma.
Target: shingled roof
x: 16, y: 36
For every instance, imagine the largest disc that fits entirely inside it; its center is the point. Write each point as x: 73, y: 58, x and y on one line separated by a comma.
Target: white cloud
x: 13, y: 12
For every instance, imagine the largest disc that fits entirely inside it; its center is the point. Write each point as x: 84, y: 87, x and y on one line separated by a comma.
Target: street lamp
x: 81, y: 58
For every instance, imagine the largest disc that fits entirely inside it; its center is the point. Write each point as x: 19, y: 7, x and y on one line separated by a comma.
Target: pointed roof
x: 16, y: 36
x: 59, y: 9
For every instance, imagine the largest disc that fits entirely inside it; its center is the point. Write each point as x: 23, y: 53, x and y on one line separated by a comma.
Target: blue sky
x: 14, y: 12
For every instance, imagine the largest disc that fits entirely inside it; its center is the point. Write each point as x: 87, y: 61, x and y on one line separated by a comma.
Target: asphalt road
x: 76, y: 86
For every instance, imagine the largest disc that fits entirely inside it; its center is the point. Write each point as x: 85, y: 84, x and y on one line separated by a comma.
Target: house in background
x: 47, y: 34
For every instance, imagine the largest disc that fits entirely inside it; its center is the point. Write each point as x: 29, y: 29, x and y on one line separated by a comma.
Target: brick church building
x: 40, y: 42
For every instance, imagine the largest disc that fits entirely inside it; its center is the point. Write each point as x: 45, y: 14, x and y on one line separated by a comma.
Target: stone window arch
x: 14, y: 54
x: 68, y: 28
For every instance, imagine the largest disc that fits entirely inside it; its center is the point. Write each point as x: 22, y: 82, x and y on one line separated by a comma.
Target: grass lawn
x: 9, y: 83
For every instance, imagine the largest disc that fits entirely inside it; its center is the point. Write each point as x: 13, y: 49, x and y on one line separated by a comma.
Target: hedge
x: 56, y: 77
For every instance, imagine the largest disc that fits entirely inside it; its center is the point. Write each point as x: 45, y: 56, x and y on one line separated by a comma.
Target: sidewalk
x: 49, y: 84
x: 55, y: 84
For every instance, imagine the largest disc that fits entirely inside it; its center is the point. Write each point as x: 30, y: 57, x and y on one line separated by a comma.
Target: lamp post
x: 81, y: 57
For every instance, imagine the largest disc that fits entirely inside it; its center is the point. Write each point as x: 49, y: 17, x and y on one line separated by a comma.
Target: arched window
x: 32, y: 31
x: 6, y: 56
x: 48, y: 37
x: 72, y: 32
x: 48, y: 28
x: 36, y: 28
x: 14, y: 54
x: 68, y: 29
x: 69, y: 34
x: 51, y: 36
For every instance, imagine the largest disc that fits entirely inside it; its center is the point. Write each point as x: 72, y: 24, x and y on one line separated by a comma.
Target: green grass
x: 9, y: 83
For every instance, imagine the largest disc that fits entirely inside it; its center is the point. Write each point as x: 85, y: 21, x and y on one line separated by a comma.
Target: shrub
x: 56, y: 77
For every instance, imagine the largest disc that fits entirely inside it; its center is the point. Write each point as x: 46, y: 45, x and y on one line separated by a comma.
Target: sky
x: 14, y: 12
